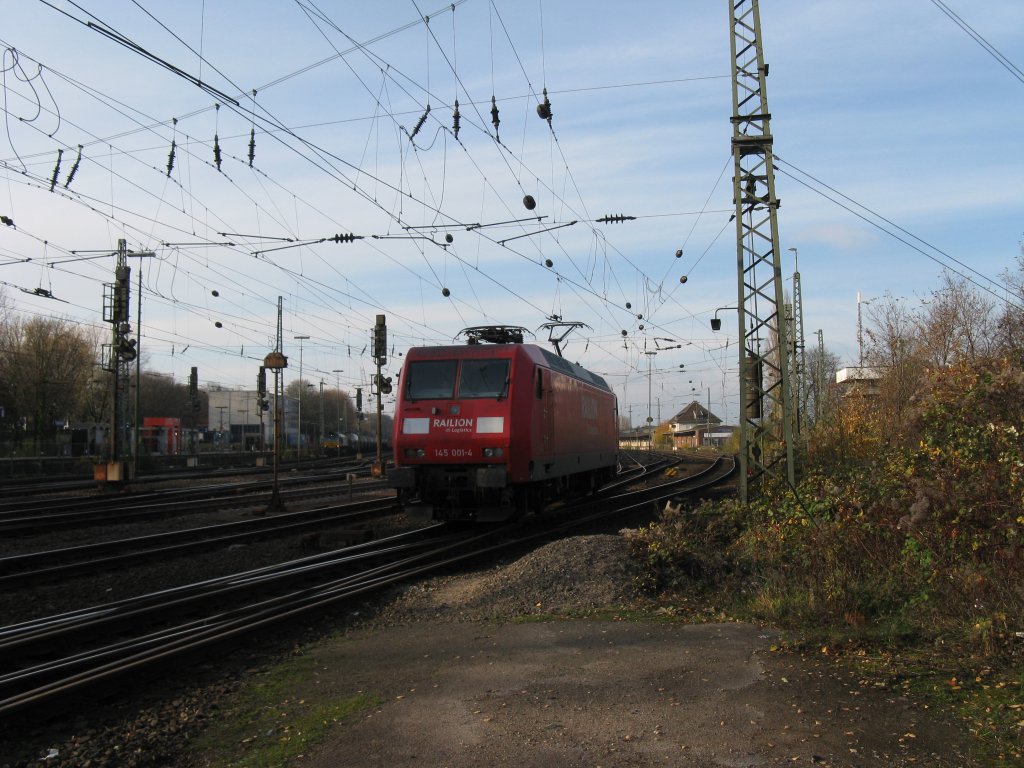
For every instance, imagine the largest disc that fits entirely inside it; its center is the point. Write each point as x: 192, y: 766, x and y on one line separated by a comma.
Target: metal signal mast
x: 767, y: 422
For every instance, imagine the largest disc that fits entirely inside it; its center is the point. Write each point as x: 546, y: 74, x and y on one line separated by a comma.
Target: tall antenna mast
x: 766, y: 406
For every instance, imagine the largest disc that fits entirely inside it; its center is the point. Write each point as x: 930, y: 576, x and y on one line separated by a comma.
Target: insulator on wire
x: 455, y: 120
x: 615, y: 218
x: 544, y: 108
x: 56, y: 169
x: 494, y: 116
x: 252, y: 145
x: 419, y: 124
x: 74, y: 168
x: 216, y: 140
x: 170, y: 155
x: 347, y: 238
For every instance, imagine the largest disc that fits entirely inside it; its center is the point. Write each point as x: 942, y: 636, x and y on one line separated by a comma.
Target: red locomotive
x: 490, y: 432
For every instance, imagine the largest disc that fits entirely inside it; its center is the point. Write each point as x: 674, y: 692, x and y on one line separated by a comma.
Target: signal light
x: 380, y: 341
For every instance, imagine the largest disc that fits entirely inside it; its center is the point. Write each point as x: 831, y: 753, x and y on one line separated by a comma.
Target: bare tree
x: 893, y: 351
x: 819, y: 384
x: 956, y: 325
x: 45, y: 366
x: 1009, y: 331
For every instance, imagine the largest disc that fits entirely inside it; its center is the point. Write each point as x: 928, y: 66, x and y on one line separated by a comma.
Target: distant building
x: 638, y: 439
x: 858, y: 381
x: 692, y: 427
x: 237, y: 423
x: 695, y: 426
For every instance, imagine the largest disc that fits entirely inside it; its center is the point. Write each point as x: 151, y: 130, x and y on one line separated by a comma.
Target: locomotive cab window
x: 431, y: 380
x: 484, y: 378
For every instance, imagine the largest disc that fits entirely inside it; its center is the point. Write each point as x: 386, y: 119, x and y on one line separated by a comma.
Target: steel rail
x: 39, y: 567
x: 167, y: 503
x: 42, y: 682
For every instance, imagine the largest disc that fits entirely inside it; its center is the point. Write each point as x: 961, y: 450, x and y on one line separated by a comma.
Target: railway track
x: 39, y: 567
x: 37, y: 515
x: 48, y: 660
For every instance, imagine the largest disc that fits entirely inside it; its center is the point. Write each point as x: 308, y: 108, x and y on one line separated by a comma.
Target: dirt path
x: 608, y: 693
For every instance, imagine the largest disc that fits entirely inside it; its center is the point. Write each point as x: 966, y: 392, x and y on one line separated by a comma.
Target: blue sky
x: 890, y: 104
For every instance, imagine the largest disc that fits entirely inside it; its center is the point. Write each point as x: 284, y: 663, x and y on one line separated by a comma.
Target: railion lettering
x: 460, y: 423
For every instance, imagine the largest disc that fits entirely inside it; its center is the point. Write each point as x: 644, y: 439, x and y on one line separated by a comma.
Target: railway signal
x: 379, y: 350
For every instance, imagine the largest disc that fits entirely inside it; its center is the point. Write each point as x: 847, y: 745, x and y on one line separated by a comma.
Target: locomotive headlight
x: 493, y: 453
x: 414, y: 453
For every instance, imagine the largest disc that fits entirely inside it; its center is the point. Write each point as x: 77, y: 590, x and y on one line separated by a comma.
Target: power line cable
x: 868, y: 218
x: 992, y: 51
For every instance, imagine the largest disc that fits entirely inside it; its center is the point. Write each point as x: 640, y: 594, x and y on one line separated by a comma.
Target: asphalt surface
x: 608, y: 693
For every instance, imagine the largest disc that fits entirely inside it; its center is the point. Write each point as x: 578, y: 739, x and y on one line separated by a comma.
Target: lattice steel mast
x: 767, y: 411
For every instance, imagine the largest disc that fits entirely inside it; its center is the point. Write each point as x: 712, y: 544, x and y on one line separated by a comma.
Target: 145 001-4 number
x: 453, y: 453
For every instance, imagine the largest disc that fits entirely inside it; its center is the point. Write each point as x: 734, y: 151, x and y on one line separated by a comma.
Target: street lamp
x: 716, y: 323
x: 301, y: 393
x: 276, y: 362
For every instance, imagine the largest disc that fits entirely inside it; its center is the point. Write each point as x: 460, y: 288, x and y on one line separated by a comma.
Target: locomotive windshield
x: 435, y: 379
x: 431, y: 379
x: 483, y: 378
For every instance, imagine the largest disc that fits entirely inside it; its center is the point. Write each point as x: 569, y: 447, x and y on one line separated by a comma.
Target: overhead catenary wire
x: 992, y: 51
x: 943, y: 259
x: 411, y: 217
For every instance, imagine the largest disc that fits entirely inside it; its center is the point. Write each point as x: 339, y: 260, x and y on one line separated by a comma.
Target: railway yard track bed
x: 545, y: 646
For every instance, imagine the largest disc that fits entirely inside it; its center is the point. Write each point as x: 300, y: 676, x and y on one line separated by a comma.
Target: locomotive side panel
x: 583, y: 430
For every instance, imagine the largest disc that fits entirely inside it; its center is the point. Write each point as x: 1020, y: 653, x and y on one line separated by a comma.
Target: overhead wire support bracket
x: 538, y: 232
x: 257, y: 237
x: 334, y: 239
x: 428, y: 238
x: 538, y: 219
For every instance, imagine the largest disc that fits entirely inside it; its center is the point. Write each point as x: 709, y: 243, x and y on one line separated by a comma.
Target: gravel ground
x: 462, y: 680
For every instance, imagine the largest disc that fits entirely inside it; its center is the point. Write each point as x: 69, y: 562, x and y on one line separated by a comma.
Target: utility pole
x: 302, y: 391
x: 321, y: 412
x: 359, y: 423
x: 650, y: 419
x: 819, y: 395
x: 382, y: 385
x: 339, y: 409
x: 766, y: 407
x: 276, y: 361
x: 117, y: 359
x: 799, y: 356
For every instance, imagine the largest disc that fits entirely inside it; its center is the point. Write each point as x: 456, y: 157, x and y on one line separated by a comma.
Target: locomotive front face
x: 452, y: 429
